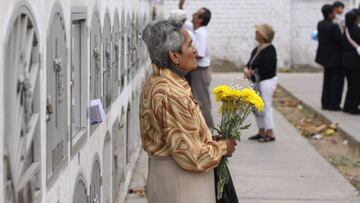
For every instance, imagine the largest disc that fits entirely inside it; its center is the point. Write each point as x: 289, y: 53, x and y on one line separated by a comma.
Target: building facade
x: 232, y: 27
x: 59, y: 58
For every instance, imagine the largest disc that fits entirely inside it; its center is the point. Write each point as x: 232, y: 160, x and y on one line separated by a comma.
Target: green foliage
x: 232, y: 123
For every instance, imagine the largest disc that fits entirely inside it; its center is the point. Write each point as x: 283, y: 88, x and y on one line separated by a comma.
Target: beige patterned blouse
x: 172, y: 124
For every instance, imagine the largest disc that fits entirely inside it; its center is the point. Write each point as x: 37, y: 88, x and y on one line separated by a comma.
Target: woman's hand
x: 247, y: 72
x: 230, y: 143
x: 217, y: 137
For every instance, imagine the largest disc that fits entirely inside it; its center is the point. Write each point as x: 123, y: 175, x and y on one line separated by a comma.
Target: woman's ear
x: 174, y: 57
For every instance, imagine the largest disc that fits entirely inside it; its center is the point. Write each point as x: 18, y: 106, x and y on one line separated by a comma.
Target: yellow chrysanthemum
x: 222, y: 92
x: 247, y: 92
x: 249, y: 96
x: 236, y: 105
x: 220, y: 89
x: 237, y: 94
x: 253, y: 98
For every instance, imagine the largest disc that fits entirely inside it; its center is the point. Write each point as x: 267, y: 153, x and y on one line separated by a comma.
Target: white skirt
x: 169, y: 183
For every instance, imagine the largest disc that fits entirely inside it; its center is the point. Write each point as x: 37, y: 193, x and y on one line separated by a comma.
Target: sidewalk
x: 286, y: 171
x: 307, y: 87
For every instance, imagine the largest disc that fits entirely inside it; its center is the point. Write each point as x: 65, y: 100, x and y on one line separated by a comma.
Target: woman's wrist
x: 223, y: 147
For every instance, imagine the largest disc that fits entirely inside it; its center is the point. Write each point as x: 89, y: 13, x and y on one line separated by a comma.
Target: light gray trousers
x: 200, y: 85
x: 266, y: 89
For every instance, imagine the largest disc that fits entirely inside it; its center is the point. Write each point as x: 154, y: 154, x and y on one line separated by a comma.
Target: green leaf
x: 245, y: 126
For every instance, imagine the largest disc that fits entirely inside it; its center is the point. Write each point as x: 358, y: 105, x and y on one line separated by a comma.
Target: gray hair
x: 161, y: 37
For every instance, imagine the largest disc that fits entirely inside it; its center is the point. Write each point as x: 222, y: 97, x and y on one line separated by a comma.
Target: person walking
x: 351, y: 61
x: 182, y: 154
x: 329, y: 55
x: 261, y: 69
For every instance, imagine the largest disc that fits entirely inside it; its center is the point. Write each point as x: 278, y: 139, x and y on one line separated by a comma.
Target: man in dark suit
x: 351, y: 63
x: 329, y: 55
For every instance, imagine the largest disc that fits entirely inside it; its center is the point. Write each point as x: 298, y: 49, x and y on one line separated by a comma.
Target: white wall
x: 62, y: 189
x: 231, y: 29
x: 355, y: 3
x: 2, y: 185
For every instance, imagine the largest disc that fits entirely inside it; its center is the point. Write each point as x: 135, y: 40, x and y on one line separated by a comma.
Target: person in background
x: 261, y: 69
x: 351, y: 62
x: 200, y: 78
x: 329, y: 55
x: 182, y: 153
x: 339, y: 19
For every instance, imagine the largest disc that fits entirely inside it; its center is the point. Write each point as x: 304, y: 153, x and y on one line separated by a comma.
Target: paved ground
x: 307, y: 87
x: 286, y: 171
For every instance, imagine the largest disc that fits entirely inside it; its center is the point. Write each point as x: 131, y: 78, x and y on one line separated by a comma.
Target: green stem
x: 223, y: 177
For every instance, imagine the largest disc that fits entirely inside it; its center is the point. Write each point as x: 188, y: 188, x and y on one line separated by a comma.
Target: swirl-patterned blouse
x: 171, y: 124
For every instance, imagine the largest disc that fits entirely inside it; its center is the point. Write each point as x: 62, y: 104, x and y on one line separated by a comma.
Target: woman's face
x: 258, y: 37
x: 187, y: 59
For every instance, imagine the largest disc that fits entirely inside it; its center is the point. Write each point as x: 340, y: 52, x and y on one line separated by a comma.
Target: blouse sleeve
x: 188, y: 137
x: 251, y: 56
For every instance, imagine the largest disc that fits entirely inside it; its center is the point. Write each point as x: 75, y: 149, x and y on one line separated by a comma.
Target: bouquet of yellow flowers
x: 236, y: 105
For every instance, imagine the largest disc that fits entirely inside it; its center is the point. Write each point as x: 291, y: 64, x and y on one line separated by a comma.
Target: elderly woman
x: 181, y: 152
x: 261, y: 69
